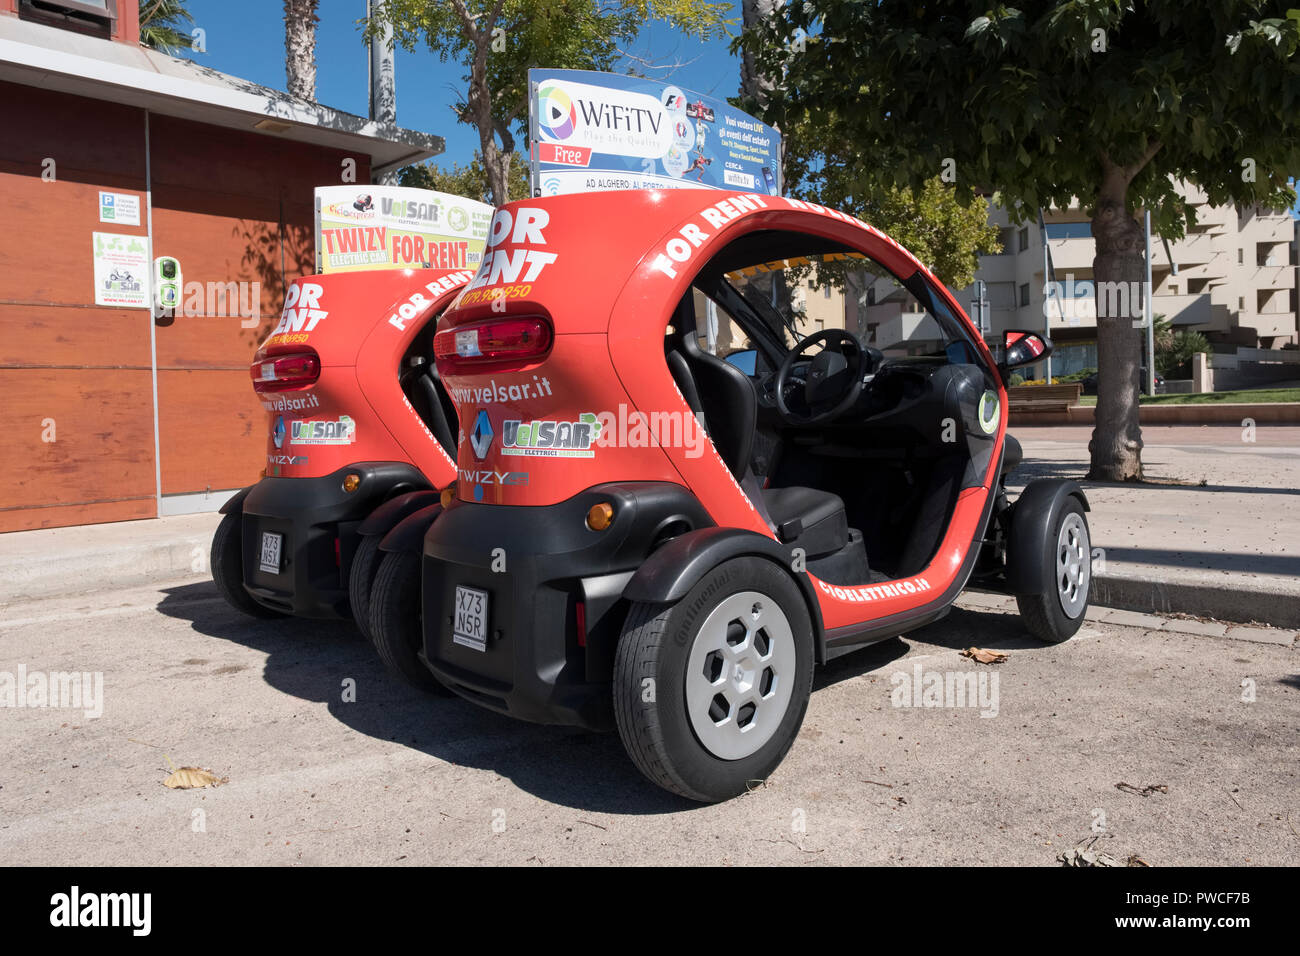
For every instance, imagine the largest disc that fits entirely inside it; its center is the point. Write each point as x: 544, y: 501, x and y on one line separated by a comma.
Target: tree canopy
x: 1104, y: 102
x: 470, y: 181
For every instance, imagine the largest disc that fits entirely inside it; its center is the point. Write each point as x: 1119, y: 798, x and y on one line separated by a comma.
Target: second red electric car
x: 360, y: 434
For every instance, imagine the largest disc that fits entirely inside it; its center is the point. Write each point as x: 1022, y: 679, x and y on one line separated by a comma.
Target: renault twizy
x: 604, y: 562
x: 360, y: 434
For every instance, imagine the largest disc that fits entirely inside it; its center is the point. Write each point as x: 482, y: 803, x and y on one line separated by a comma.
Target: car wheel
x: 396, y: 622
x: 1055, y: 615
x: 710, y: 692
x: 361, y: 580
x: 228, y: 567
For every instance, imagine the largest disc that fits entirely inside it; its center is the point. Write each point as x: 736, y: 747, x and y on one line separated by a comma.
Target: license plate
x: 470, y: 618
x: 271, y: 552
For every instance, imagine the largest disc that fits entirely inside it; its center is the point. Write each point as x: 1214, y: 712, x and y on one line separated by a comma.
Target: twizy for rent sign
x: 397, y: 227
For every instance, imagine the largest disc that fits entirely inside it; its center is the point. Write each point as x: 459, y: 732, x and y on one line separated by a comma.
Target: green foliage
x: 1174, y: 350
x: 469, y: 181
x: 944, y: 230
x: 1175, y: 360
x: 1038, y: 101
x: 161, y: 25
x: 1078, y: 376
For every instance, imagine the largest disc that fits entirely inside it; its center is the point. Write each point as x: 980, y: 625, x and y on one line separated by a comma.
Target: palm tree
x: 160, y: 22
x: 300, y: 47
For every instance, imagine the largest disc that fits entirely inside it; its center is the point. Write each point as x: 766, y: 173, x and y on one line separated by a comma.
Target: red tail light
x: 493, y: 343
x: 278, y: 373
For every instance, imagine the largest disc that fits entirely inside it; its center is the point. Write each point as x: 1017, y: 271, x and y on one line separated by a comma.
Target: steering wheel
x: 834, y: 379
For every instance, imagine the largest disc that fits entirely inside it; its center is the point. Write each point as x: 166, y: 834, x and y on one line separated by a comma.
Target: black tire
x: 361, y: 581
x: 657, y: 645
x: 396, y: 621
x: 227, y: 563
x: 1045, y: 614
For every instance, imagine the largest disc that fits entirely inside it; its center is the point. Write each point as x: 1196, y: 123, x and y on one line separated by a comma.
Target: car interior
x: 423, y: 388
x: 853, y: 444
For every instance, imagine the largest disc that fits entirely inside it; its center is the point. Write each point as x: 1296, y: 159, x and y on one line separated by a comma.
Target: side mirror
x: 1024, y: 348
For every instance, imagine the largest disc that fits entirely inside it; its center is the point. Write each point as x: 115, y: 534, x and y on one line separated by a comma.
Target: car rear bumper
x: 544, y: 571
x: 317, y: 521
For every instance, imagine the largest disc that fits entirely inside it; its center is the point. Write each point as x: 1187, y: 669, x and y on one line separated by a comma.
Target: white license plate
x: 470, y: 618
x: 271, y: 543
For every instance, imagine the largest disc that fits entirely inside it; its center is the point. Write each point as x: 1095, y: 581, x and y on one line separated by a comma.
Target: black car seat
x: 723, y: 398
x: 424, y: 390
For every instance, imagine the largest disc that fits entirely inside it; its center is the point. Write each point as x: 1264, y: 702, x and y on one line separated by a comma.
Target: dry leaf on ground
x: 982, y: 655
x: 191, y: 778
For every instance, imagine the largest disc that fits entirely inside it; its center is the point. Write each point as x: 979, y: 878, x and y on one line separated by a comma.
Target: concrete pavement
x: 394, y: 777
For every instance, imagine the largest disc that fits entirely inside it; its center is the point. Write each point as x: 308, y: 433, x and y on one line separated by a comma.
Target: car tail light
x: 580, y: 612
x: 495, y: 342
x: 278, y: 373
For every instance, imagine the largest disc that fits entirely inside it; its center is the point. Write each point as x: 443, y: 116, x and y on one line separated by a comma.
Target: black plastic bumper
x: 537, y: 565
x: 312, y: 514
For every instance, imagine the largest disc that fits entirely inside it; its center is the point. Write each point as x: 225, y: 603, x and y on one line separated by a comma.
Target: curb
x: 58, y: 561
x: 1202, y: 413
x: 1223, y: 603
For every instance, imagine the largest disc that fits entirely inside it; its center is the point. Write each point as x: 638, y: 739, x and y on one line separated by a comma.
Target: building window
x: 95, y: 17
x: 826, y: 292
x: 1024, y: 238
x: 1002, y: 295
x: 1241, y: 304
x: 1024, y: 294
x: 1069, y: 230
x: 1241, y: 256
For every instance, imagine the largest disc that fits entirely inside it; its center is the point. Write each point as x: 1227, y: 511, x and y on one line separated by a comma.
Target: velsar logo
x: 551, y: 439
x: 318, y: 432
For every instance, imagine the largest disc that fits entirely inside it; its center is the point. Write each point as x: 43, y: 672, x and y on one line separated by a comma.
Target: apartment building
x: 1231, y: 277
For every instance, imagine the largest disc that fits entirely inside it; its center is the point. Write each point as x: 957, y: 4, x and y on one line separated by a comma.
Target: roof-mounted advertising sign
x: 593, y: 131
x: 397, y: 227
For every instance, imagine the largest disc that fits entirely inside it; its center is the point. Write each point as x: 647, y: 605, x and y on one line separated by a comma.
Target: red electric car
x: 645, y: 535
x: 360, y: 437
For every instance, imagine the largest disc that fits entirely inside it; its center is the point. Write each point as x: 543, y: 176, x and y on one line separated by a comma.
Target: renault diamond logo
x: 481, y: 437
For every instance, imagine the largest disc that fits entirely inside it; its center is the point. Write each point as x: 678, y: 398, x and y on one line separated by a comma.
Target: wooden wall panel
x: 62, y: 516
x: 103, y: 431
x: 233, y: 206
x: 89, y: 140
x: 38, y: 335
x: 212, y: 431
x: 46, y: 242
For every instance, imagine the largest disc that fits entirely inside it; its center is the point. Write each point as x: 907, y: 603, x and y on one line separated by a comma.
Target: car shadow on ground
x: 310, y: 660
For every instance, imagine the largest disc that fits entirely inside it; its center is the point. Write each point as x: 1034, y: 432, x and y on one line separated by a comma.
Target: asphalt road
x: 398, y: 778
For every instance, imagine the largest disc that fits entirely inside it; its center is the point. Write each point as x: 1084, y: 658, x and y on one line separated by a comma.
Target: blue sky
x: 246, y: 38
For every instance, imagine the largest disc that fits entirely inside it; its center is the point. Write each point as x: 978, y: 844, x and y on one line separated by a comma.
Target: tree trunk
x: 300, y: 47
x: 1119, y: 272
x: 754, y: 85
